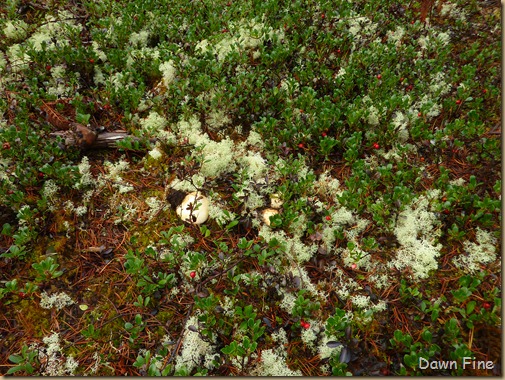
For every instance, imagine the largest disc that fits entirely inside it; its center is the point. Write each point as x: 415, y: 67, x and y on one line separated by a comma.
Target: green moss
x: 33, y: 315
x: 165, y: 316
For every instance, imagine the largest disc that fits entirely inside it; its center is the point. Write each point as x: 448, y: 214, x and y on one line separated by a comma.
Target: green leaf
x: 29, y: 368
x: 232, y: 224
x: 398, y: 335
x: 15, y: 369
x: 434, y: 315
x: 427, y: 336
x: 82, y: 118
x: 411, y: 360
x: 230, y: 349
x: 246, y: 343
x: 470, y: 306
x: 423, y: 305
x: 138, y: 319
x: 16, y: 359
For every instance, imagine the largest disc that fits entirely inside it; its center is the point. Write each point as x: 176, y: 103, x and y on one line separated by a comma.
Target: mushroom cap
x: 194, y: 208
x: 275, y: 200
x: 267, y: 213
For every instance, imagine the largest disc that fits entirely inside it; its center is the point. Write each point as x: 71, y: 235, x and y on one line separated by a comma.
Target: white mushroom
x: 275, y: 201
x: 267, y: 213
x: 194, y: 208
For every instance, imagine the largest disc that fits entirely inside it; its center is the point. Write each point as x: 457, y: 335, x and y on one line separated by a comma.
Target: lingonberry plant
x: 368, y: 133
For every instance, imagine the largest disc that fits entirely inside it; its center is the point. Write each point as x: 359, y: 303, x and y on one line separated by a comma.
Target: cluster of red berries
x: 304, y: 324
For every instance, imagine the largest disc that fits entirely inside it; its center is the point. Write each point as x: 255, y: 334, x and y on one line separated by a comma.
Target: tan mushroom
x: 275, y: 201
x: 194, y: 208
x: 267, y: 213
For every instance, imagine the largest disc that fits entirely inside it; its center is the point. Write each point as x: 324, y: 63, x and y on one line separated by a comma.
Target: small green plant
x: 252, y: 330
x: 90, y: 332
x: 432, y: 308
x: 10, y: 287
x: 26, y: 362
x: 134, y: 329
x: 47, y: 269
x: 152, y: 365
x: 338, y: 368
x: 414, y: 350
x: 408, y: 292
x: 141, y: 301
x: 304, y: 308
x: 22, y: 237
x: 338, y: 324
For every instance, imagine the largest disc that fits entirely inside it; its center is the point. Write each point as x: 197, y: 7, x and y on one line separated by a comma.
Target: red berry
x: 446, y: 212
x: 328, y: 217
x: 323, y: 134
x: 401, y: 79
x: 304, y: 324
x: 338, y: 51
x: 354, y: 266
x: 376, y: 146
x: 6, y: 145
x: 40, y: 175
x: 22, y: 294
x: 322, y: 15
x: 48, y: 67
x: 300, y: 146
x: 192, y: 274
x: 458, y: 101
x: 91, y: 60
x: 486, y: 305
x: 419, y: 114
x: 412, y: 22
x: 484, y: 91
x: 379, y: 76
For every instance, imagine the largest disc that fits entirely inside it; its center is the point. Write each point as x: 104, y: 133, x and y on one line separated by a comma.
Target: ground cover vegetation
x: 372, y: 127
